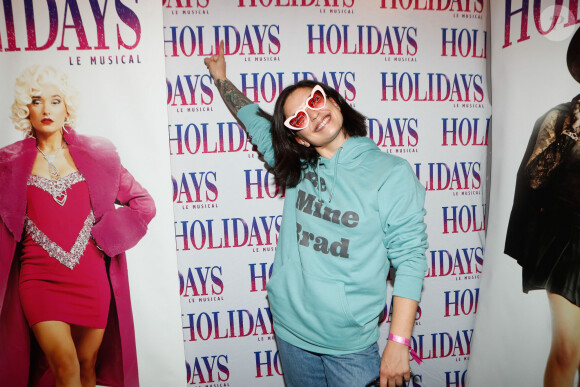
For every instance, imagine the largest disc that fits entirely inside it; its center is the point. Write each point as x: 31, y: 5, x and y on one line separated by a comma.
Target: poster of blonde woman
x: 88, y: 290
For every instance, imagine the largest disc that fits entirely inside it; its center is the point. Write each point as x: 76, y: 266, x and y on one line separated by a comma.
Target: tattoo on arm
x: 233, y: 98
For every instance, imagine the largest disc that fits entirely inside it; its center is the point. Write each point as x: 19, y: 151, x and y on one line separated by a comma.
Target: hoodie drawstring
x: 335, y: 173
x: 318, y: 191
x: 318, y: 180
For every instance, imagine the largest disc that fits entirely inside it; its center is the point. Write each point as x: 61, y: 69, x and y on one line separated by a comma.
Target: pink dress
x: 63, y: 275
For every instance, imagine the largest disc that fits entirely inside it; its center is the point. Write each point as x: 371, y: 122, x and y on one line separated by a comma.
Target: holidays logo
x: 260, y: 184
x: 362, y: 40
x: 296, y: 3
x: 455, y: 378
x: 226, y: 324
x: 461, y: 302
x: 205, y: 282
x: 467, y: 6
x: 464, y: 219
x: 460, y: 175
x: 265, y: 87
x: 253, y: 40
x: 438, y: 87
x: 71, y: 24
x: 208, y: 369
x: 465, y: 131
x: 464, y: 43
x: 256, y: 232
x: 195, y: 188
x: 464, y: 262
x: 206, y: 138
x: 268, y: 363
x: 395, y: 135
x: 190, y: 92
x: 443, y: 344
x: 520, y: 12
x: 259, y: 276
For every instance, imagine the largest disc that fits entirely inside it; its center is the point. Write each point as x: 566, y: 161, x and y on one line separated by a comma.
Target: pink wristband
x: 407, y: 342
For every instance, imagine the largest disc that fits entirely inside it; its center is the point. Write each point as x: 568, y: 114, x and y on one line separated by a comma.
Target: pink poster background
x: 113, y: 56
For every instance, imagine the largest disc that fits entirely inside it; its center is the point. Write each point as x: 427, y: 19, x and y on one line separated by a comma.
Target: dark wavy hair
x: 573, y: 56
x: 291, y: 157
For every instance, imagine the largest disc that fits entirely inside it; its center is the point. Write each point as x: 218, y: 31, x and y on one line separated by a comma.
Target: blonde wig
x: 29, y: 84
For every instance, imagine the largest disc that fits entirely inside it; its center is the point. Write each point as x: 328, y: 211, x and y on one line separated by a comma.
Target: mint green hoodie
x: 344, y: 224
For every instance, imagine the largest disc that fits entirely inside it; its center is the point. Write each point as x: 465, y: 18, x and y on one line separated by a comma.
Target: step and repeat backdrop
x: 112, y: 53
x: 416, y: 69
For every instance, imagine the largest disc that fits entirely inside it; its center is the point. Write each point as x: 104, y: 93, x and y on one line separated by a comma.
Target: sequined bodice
x: 59, y: 217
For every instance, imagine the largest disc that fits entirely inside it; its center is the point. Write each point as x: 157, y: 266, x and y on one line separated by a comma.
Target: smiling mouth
x: 322, y: 123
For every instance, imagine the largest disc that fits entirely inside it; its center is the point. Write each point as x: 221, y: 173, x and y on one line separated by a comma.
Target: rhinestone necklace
x: 59, y: 189
x: 52, y: 169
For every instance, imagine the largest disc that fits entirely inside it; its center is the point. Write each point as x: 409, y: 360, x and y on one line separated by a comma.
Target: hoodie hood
x: 352, y: 152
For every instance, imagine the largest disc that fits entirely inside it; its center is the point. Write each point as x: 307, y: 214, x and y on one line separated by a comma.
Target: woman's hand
x: 216, y: 64
x: 395, y: 366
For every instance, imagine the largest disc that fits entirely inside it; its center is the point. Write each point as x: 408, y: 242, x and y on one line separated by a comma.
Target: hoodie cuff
x: 408, y: 286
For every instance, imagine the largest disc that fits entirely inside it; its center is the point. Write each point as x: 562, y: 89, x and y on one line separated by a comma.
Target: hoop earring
x: 66, y: 124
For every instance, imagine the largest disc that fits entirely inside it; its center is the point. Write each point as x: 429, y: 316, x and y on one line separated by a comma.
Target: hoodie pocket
x: 325, y: 296
x: 314, y: 309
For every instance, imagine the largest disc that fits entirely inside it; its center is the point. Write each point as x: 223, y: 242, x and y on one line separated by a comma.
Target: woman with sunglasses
x: 350, y: 212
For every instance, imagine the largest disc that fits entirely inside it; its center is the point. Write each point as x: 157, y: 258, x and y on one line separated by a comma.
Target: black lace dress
x: 553, y: 171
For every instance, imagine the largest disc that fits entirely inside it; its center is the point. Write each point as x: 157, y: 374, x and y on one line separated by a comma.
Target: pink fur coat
x: 115, y: 230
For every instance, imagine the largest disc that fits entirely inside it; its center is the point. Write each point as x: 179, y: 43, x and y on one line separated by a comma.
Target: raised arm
x: 233, y: 98
x: 257, y: 127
